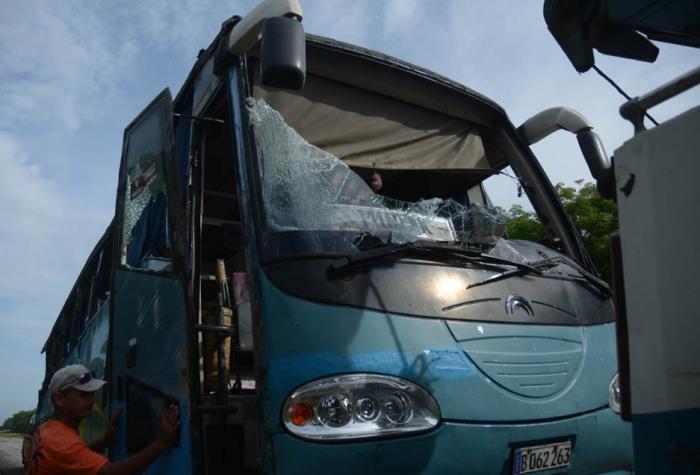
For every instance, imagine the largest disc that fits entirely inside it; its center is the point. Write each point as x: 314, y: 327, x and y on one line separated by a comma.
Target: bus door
x: 227, y: 404
x: 149, y: 324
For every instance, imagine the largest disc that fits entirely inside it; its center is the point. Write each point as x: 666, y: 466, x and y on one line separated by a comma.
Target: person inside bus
x: 57, y: 448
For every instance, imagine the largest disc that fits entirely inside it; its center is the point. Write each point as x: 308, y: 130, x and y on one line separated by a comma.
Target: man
x: 57, y: 448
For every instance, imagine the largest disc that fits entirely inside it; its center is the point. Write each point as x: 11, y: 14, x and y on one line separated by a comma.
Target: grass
x: 7, y: 433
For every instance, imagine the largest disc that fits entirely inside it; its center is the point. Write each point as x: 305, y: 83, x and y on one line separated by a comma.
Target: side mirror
x: 598, y: 163
x: 283, y: 53
x: 548, y: 121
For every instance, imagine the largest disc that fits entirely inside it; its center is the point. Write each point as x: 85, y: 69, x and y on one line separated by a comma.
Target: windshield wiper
x: 534, y: 268
x: 598, y: 286
x: 591, y: 281
x: 432, y: 250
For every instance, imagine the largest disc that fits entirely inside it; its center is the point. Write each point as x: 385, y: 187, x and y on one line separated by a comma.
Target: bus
x: 305, y: 257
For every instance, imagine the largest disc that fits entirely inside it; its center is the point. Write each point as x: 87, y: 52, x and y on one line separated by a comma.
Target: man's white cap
x: 74, y: 376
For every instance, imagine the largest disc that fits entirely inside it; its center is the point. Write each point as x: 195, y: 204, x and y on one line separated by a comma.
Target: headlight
x: 359, y: 406
x: 614, y: 397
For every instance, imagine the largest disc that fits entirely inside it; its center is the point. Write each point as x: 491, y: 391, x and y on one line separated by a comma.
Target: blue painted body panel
x: 534, y: 361
x: 600, y: 446
x: 481, y: 416
x: 151, y: 308
x: 667, y: 442
x: 305, y: 341
x: 91, y: 352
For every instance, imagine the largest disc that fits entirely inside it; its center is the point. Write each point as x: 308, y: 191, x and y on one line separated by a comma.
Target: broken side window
x: 145, y: 239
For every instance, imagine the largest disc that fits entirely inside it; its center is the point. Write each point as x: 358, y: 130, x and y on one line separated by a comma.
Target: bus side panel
x: 149, y: 355
x: 92, y: 353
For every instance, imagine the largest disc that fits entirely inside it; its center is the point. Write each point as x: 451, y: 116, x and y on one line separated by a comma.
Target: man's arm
x: 101, y: 445
x: 137, y: 463
x: 98, y: 446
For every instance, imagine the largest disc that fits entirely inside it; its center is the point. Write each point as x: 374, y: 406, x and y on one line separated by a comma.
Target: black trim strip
x: 621, y: 328
x: 464, y: 304
x: 528, y: 422
x: 572, y: 315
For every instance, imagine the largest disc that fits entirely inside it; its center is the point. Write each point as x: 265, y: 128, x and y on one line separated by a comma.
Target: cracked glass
x: 315, y: 203
x: 145, y: 237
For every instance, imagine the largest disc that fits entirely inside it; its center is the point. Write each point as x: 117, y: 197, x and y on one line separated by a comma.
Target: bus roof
x: 372, y: 71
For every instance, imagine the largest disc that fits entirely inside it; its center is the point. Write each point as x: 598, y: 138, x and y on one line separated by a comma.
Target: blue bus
x: 306, y: 258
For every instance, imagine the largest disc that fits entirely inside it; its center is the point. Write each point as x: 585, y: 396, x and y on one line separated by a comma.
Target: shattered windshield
x: 315, y: 203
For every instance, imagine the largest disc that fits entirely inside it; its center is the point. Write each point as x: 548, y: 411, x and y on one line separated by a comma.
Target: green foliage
x: 524, y: 225
x: 18, y: 422
x: 594, y: 217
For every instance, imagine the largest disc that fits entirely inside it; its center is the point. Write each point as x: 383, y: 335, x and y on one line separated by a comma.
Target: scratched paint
x: 424, y: 366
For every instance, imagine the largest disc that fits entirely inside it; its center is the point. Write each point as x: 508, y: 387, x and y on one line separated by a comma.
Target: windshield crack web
x: 310, y: 191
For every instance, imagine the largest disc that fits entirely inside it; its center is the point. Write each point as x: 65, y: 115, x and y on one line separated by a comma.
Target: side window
x: 145, y: 237
x: 476, y: 195
x: 503, y: 190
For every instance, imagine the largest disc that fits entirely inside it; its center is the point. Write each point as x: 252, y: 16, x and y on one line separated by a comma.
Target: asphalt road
x: 11, y: 456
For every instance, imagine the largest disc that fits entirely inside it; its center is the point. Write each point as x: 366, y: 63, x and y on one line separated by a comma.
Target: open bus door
x: 149, y: 324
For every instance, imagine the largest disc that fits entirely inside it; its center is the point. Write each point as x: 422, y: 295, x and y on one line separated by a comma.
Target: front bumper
x: 602, y: 443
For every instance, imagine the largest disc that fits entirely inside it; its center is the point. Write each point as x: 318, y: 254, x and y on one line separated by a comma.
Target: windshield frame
x: 501, y: 132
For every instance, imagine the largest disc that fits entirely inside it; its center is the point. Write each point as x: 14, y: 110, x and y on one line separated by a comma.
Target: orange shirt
x: 58, y: 449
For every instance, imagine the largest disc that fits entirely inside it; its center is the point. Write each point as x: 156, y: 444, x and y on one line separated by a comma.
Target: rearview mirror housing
x: 283, y: 53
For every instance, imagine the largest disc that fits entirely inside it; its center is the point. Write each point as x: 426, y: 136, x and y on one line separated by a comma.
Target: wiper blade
x: 588, y: 280
x: 431, y: 249
x: 522, y: 269
x: 598, y: 285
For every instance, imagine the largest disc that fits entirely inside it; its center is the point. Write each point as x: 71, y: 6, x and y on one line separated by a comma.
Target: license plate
x: 541, y: 457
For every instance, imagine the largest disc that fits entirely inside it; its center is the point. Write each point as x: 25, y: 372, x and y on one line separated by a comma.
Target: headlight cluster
x: 357, y: 406
x: 614, y: 398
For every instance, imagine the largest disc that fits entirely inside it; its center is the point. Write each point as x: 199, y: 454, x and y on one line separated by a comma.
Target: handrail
x: 215, y: 329
x: 634, y: 110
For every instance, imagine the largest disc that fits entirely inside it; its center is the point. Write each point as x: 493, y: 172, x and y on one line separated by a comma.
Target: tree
x: 594, y: 217
x: 18, y: 422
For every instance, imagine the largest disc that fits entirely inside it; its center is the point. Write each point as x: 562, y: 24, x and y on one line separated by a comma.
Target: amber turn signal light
x: 301, y: 414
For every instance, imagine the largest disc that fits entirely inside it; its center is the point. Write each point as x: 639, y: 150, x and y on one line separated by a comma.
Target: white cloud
x: 45, y: 240
x: 401, y: 16
x: 62, y: 62
x: 352, y: 22
x: 53, y: 59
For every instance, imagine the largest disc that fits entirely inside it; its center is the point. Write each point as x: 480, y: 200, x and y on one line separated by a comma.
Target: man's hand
x: 139, y: 462
x: 169, y: 426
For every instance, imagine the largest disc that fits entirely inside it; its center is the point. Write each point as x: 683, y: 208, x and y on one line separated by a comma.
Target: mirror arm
x: 598, y: 163
x: 549, y: 121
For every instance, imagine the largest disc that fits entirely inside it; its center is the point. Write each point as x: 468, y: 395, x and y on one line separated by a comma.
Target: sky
x: 73, y: 74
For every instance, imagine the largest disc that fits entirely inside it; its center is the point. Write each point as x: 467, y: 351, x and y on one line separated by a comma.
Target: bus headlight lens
x: 367, y: 408
x: 397, y: 408
x: 333, y: 411
x: 614, y: 398
x: 359, y: 406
